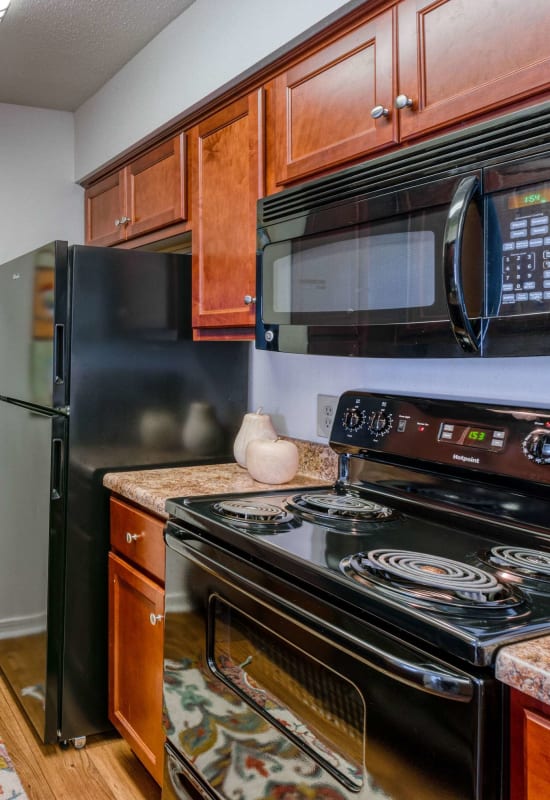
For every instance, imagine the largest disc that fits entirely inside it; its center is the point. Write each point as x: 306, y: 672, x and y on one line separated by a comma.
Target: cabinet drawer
x: 138, y: 537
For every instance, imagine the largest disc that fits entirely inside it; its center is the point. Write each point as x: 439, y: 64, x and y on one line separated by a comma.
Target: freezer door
x: 33, y: 327
x: 32, y: 499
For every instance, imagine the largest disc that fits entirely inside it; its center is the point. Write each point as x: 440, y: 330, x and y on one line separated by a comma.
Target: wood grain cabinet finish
x: 459, y: 58
x: 227, y: 180
x: 323, y: 105
x: 146, y: 195
x: 529, y: 748
x: 136, y: 630
x: 419, y: 66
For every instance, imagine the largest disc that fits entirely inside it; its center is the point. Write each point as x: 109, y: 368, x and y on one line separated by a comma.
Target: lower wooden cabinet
x: 529, y: 748
x: 136, y: 637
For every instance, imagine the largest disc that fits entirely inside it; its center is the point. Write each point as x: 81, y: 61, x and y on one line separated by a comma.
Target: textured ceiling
x: 57, y: 53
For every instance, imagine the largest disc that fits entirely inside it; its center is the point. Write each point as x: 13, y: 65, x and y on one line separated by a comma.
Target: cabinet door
x: 156, y: 188
x: 323, y: 104
x: 529, y: 747
x: 136, y: 609
x: 458, y: 58
x: 227, y: 157
x: 105, y: 207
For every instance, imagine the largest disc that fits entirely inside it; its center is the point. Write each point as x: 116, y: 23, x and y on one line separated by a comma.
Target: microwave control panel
x: 490, y: 438
x: 524, y: 222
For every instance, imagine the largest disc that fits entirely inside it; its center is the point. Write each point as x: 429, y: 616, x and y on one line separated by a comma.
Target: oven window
x: 319, y: 710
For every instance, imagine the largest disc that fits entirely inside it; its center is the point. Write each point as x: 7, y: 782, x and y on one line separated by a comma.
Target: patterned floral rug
x: 10, y: 785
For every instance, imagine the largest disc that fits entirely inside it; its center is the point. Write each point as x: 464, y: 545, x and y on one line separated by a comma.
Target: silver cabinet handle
x: 154, y: 618
x: 402, y: 101
x: 133, y: 537
x: 379, y: 111
x: 117, y: 223
x: 125, y: 220
x: 248, y: 299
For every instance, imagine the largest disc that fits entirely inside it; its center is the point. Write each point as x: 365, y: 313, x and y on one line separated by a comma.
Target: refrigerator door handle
x: 59, y: 354
x: 57, y: 469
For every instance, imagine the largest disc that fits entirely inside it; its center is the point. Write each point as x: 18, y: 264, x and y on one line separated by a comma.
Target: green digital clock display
x: 477, y: 435
x: 534, y: 198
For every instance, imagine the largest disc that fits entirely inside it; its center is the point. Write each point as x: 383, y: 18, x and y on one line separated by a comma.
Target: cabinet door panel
x: 156, y: 188
x: 458, y: 58
x: 105, y: 203
x: 227, y: 178
x: 537, y: 755
x: 323, y: 105
x: 135, y: 662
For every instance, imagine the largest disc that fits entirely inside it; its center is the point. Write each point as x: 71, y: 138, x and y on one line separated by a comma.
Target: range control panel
x: 503, y: 440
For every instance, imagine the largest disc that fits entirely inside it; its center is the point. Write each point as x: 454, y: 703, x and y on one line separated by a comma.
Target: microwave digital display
x: 531, y: 197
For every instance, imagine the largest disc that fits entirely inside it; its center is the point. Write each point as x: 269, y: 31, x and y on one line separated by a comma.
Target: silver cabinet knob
x: 155, y: 618
x: 402, y: 101
x: 379, y: 111
x: 122, y: 221
x: 133, y: 537
x: 248, y: 299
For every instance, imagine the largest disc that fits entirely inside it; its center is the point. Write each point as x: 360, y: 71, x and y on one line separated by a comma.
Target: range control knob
x: 353, y: 419
x: 536, y: 446
x: 379, y: 423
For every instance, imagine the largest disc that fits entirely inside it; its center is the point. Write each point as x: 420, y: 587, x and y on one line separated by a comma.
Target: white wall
x: 206, y: 47
x: 39, y: 200
x: 286, y: 386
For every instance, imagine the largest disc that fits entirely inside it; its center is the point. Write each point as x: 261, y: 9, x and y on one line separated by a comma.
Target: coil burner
x: 433, y: 581
x: 517, y: 563
x: 253, y: 513
x: 332, y: 508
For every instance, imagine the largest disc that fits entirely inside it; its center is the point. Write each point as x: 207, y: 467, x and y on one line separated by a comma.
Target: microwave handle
x: 468, y: 337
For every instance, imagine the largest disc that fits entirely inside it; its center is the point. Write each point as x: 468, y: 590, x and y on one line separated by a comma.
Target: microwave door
x: 457, y: 266
x: 372, y: 277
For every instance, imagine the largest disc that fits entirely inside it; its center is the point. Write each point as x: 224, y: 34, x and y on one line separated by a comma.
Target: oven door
x: 265, y: 699
x: 400, y: 274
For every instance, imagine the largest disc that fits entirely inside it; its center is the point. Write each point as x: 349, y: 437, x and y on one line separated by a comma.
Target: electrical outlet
x: 326, y: 409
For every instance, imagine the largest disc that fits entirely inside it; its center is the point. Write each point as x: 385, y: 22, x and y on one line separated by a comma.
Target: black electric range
x: 437, y: 526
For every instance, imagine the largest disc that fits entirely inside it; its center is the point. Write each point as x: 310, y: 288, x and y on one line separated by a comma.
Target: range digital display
x: 531, y: 197
x: 470, y: 436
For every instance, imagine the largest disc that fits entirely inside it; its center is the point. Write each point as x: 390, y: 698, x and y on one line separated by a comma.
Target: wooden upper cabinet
x: 459, y: 58
x: 105, y: 202
x: 146, y: 195
x: 227, y: 180
x: 322, y: 105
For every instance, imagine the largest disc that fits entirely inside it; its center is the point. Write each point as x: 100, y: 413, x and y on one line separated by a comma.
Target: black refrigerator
x: 98, y: 372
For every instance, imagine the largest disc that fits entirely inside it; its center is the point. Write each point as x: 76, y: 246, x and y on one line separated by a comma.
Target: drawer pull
x: 133, y: 537
x: 154, y: 618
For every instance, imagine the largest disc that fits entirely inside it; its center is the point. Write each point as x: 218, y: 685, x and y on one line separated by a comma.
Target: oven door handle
x: 465, y: 332
x: 436, y: 680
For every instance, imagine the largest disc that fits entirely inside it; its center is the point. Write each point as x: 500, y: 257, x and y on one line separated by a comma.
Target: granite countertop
x: 524, y: 666
x: 151, y: 488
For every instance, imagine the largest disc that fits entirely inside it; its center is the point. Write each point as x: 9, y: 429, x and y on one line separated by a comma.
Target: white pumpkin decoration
x: 272, y: 461
x: 254, y: 426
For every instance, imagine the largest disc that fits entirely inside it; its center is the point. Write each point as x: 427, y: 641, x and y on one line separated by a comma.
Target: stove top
x: 457, y: 559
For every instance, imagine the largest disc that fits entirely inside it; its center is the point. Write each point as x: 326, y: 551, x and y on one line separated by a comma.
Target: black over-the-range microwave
x: 439, y: 250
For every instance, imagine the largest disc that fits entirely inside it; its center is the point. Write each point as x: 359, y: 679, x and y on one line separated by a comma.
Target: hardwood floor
x: 106, y: 769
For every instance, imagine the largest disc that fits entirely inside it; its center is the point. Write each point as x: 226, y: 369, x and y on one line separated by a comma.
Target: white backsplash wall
x: 287, y: 385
